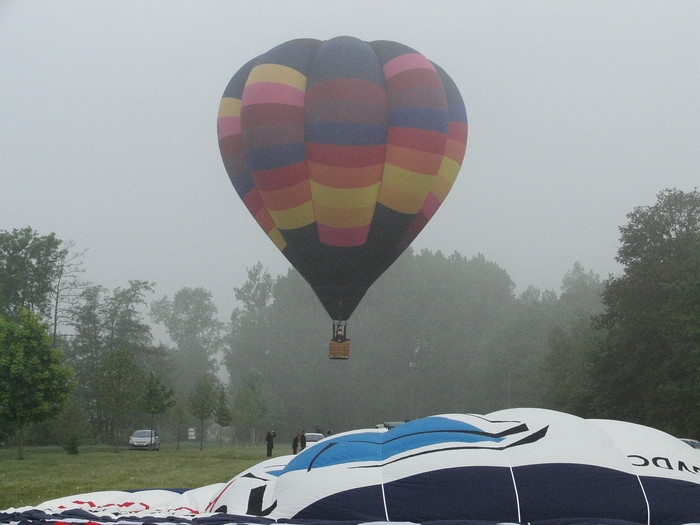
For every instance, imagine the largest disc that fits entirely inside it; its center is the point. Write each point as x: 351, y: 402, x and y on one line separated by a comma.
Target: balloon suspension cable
x: 339, y: 347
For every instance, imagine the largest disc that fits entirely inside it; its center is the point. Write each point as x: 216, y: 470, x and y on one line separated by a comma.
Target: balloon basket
x: 339, y: 349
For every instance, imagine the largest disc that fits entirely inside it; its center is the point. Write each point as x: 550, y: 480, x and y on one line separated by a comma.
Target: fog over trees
x: 437, y: 333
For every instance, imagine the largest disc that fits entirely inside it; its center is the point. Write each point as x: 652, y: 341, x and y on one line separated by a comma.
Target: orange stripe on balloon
x: 253, y: 202
x: 264, y: 219
x: 287, y: 198
x: 341, y: 177
x: 455, y: 150
x: 413, y: 160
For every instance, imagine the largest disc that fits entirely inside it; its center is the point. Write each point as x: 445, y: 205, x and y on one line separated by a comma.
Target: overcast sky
x: 578, y: 112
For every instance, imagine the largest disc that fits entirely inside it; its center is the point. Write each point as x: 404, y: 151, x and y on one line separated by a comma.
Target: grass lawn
x: 49, y: 472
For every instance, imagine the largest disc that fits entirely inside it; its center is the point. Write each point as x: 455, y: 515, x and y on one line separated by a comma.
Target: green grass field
x: 49, y: 472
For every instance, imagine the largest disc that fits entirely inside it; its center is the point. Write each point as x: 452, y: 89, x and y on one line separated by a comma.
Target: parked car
x: 144, y: 440
x: 312, y: 438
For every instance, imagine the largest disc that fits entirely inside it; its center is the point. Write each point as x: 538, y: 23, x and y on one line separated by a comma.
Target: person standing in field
x: 270, y: 438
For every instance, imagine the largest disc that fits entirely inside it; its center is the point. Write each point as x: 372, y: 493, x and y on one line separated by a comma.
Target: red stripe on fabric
x: 430, y: 206
x: 253, y: 202
x: 226, y: 126
x: 419, y: 97
x: 278, y: 178
x: 265, y: 220
x: 406, y: 62
x: 271, y: 93
x: 344, y: 156
x: 346, y: 89
x: 343, y: 237
x: 267, y: 114
x: 346, y: 111
x: 230, y: 145
x: 418, y: 139
x: 458, y: 131
x: 414, y: 78
x: 419, y: 222
x: 235, y: 164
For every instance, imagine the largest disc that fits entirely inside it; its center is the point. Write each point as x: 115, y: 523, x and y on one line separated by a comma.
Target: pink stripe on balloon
x: 343, y: 236
x: 404, y: 62
x: 431, y: 205
x: 229, y: 126
x: 272, y: 93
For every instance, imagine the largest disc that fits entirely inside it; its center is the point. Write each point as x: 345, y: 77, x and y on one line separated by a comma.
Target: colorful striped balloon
x: 342, y: 150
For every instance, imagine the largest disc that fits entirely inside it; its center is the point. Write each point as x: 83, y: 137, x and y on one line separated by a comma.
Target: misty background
x: 578, y: 113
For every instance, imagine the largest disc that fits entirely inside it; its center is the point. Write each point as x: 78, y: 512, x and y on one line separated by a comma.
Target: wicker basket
x: 339, y: 349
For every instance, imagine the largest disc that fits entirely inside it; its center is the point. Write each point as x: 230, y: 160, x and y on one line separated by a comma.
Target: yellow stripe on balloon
x: 344, y: 198
x: 449, y: 169
x: 338, y: 218
x: 278, y: 74
x: 441, y: 187
x: 400, y: 201
x: 293, y: 218
x: 230, y: 107
x: 276, y: 237
x: 407, y: 181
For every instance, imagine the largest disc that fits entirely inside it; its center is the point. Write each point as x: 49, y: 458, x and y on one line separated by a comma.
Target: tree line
x: 436, y: 333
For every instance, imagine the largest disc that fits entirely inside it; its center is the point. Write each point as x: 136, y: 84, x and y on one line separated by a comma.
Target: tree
x: 28, y: 266
x: 179, y: 417
x: 250, y: 402
x: 156, y: 398
x: 223, y: 416
x: 104, y: 321
x: 647, y: 369
x: 203, y: 402
x: 119, y: 386
x: 34, y: 384
x: 573, y: 343
x: 256, y: 293
x: 67, y: 286
x: 190, y: 319
x: 87, y: 349
x: 122, y: 320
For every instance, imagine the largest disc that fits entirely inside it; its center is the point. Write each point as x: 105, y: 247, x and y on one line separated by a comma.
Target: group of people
x: 298, y: 443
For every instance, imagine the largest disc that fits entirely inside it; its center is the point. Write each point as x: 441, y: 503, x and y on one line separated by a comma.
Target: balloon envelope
x: 512, y: 466
x: 342, y: 150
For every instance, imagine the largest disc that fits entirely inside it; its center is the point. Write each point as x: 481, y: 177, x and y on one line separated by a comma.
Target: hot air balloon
x: 342, y: 150
x: 513, y: 466
x: 520, y: 465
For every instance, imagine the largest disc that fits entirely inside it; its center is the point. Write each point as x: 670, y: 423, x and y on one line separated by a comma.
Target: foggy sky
x: 578, y: 112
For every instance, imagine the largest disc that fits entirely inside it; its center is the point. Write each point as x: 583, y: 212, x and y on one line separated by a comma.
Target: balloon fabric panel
x: 342, y: 151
